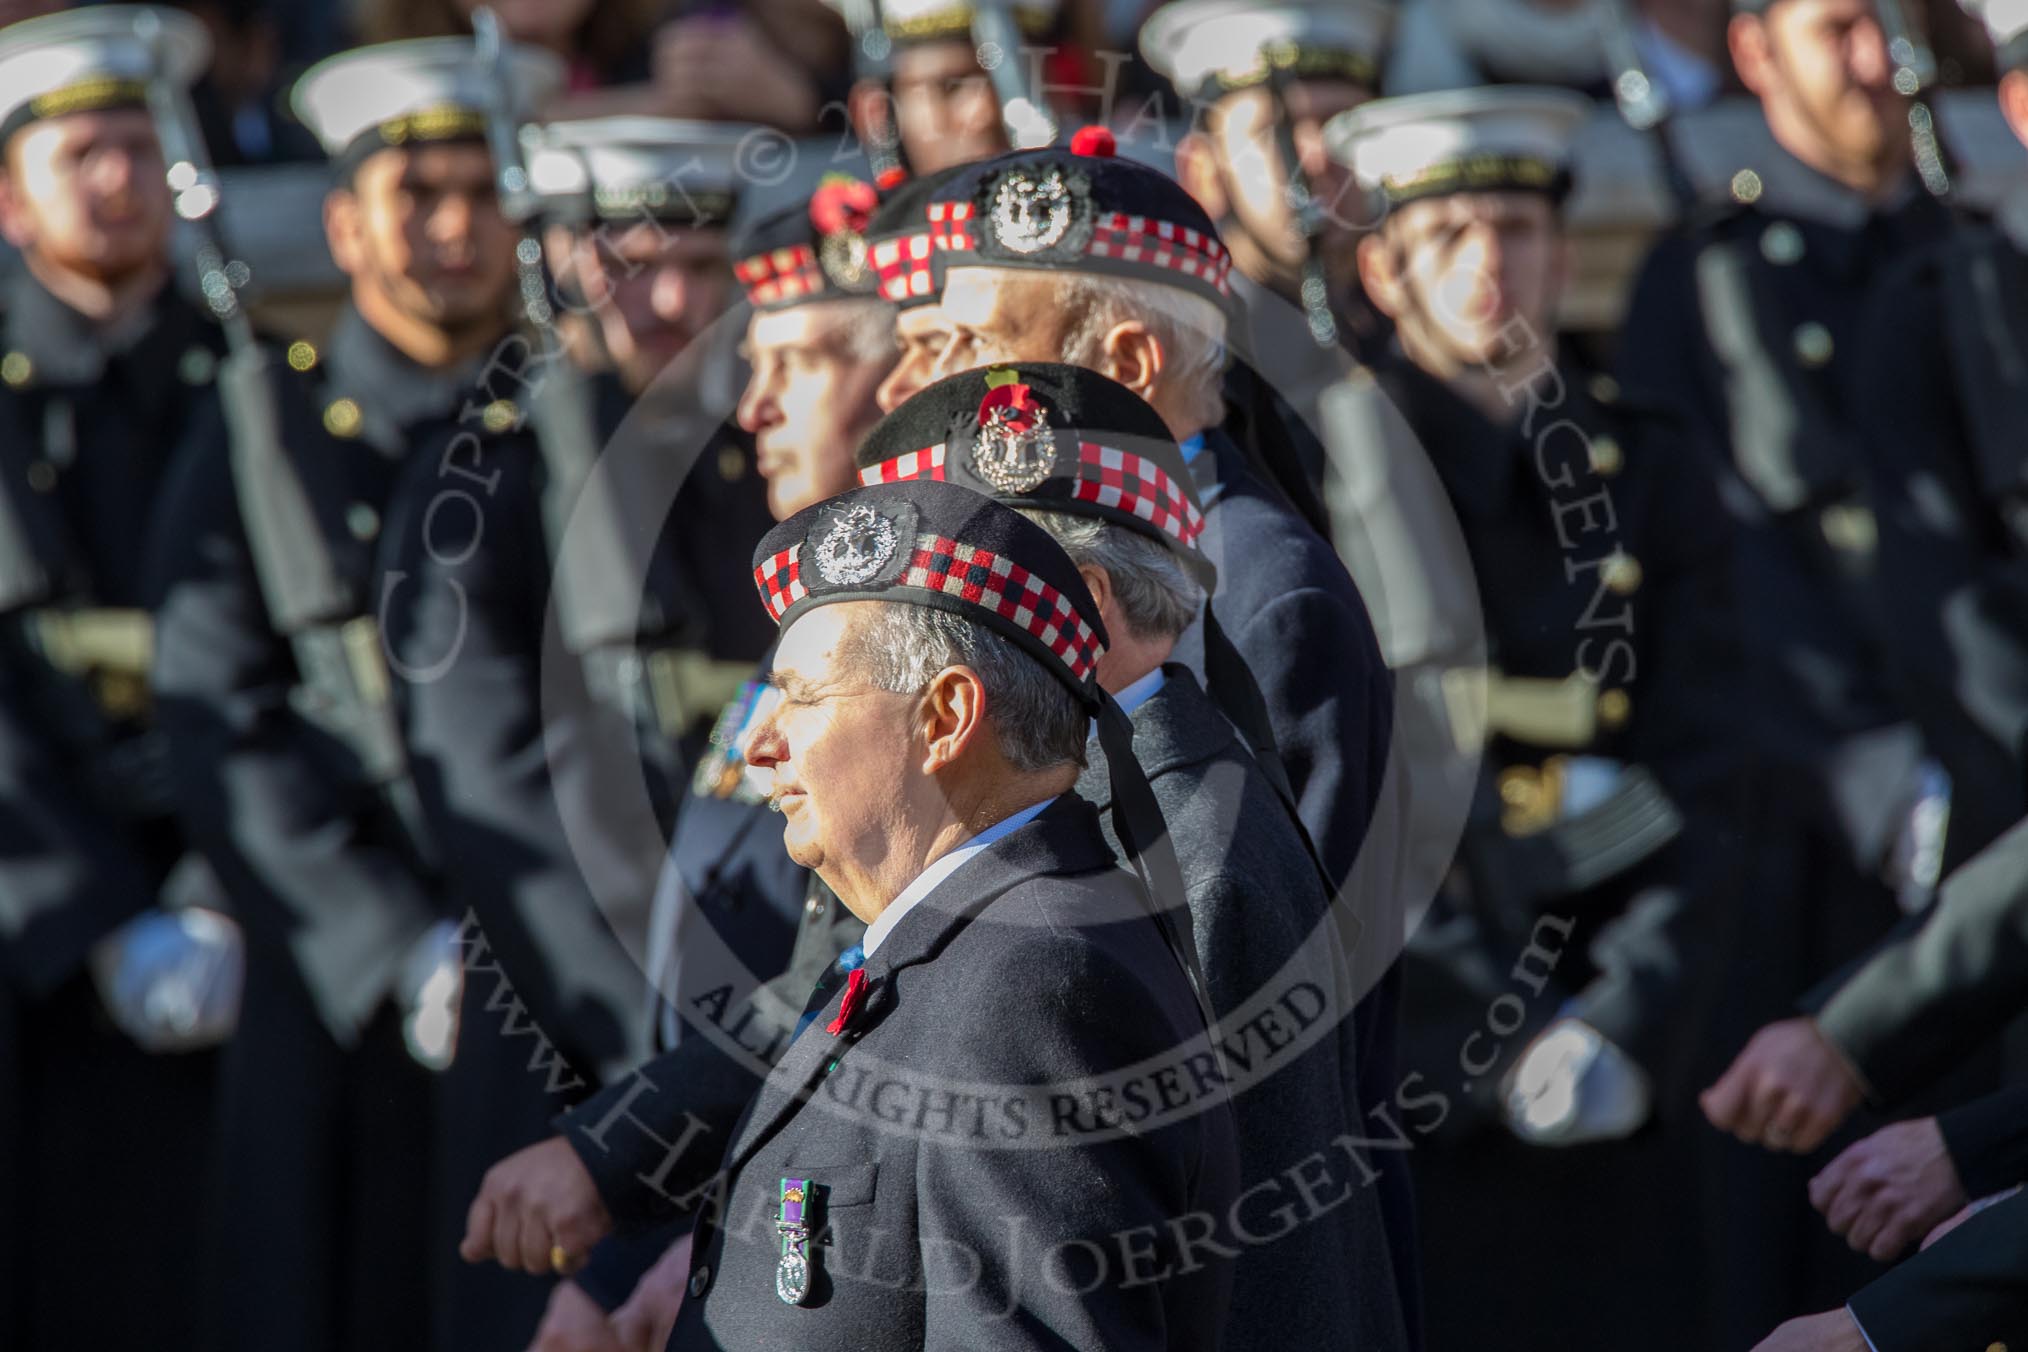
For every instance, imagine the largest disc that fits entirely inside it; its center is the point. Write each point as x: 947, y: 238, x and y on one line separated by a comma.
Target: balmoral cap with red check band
x: 1049, y: 437
x: 902, y: 244
x: 926, y: 542
x: 811, y: 251
x: 929, y: 543
x: 1083, y: 209
x: 1044, y: 436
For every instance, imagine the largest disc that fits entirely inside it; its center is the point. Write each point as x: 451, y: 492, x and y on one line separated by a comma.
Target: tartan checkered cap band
x: 780, y: 275
x: 810, y: 251
x: 1069, y: 212
x: 936, y: 544
x: 1048, y: 436
x: 901, y: 242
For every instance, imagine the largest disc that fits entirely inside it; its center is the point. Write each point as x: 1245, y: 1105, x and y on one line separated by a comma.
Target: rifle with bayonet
x: 343, y: 687
x: 1023, y: 112
x: 1914, y: 74
x: 871, y: 48
x: 626, y: 636
x: 1314, y: 290
x: 1643, y: 104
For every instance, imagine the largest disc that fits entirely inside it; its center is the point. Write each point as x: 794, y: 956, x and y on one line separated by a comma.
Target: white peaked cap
x: 1491, y: 138
x: 344, y: 97
x: 1211, y: 46
x: 93, y: 57
x: 927, y: 20
x: 2005, y: 20
x: 633, y: 165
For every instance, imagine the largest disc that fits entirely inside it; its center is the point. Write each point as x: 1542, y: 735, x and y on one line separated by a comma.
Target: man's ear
x: 1197, y: 171
x: 1133, y: 357
x: 16, y: 225
x: 1746, y: 37
x: 1378, y: 276
x: 2013, y: 103
x: 1099, y: 583
x: 344, y: 230
x: 868, y: 104
x: 951, y: 715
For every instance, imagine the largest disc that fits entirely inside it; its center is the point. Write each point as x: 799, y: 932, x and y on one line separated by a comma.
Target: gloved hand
x: 428, y: 988
x: 1571, y: 1086
x: 171, y: 979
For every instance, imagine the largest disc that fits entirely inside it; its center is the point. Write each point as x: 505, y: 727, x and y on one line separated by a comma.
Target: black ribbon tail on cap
x: 1271, y: 453
x: 1137, y: 819
x: 1234, y: 690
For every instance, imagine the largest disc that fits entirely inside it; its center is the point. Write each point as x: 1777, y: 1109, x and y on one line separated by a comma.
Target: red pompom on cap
x: 1094, y: 141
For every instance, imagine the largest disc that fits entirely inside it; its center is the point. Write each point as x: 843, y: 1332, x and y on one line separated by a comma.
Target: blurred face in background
x: 945, y: 109
x: 420, y: 234
x: 84, y: 194
x: 654, y: 289
x: 921, y: 333
x: 1470, y: 279
x: 1233, y: 167
x: 1822, y: 73
x: 810, y: 399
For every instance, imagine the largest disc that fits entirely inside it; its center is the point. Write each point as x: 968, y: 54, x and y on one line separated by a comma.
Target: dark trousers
x: 107, y: 1180
x: 1583, y: 1249
x: 1811, y: 909
x: 317, y: 1232
x: 489, y: 1104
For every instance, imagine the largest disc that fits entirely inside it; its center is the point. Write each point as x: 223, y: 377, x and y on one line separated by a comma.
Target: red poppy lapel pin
x: 850, y: 1005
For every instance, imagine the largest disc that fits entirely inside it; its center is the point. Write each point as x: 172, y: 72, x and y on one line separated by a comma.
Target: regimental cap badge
x: 1014, y: 449
x: 841, y: 210
x: 857, y: 546
x: 1030, y: 211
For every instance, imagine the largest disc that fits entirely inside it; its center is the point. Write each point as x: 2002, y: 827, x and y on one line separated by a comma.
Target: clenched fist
x: 1889, y: 1190
x: 1788, y: 1090
x: 537, y: 1211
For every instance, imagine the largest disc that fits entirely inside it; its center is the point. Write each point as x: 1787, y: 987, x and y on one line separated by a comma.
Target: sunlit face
x: 1243, y: 130
x: 423, y: 227
x: 922, y: 333
x: 86, y: 194
x: 1826, y: 78
x: 1000, y: 315
x: 654, y: 290
x: 840, y: 756
x: 809, y: 400
x: 944, y: 105
x: 1474, y: 270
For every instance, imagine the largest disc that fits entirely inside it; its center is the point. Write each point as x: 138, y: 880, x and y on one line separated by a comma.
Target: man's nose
x: 1485, y: 249
x: 451, y: 222
x: 901, y: 383
x: 757, y: 407
x: 1869, y: 61
x: 670, y: 294
x: 1318, y: 167
x: 114, y: 172
x: 764, y: 747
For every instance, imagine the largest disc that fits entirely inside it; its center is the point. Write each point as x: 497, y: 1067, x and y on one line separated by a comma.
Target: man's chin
x: 459, y: 305
x: 949, y: 152
x: 115, y: 256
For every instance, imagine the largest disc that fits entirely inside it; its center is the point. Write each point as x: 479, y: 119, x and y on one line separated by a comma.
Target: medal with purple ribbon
x: 792, y: 1279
